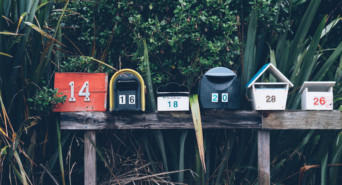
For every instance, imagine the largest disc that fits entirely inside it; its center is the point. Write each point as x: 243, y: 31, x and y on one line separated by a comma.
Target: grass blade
x: 148, y: 78
x: 337, y: 158
x: 21, y: 168
x: 327, y: 65
x: 60, y: 151
x: 324, y: 169
x: 160, y: 141
x: 42, y: 32
x: 196, y: 117
x: 181, y: 156
x: 249, y: 66
x: 5, y: 54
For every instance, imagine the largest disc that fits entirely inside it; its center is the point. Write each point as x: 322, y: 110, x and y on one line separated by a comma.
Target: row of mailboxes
x: 218, y: 89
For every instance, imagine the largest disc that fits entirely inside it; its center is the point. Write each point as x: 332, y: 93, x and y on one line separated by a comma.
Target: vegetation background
x: 184, y: 39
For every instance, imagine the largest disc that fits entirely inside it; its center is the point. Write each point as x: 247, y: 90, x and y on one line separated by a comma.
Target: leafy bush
x: 179, y: 34
x: 80, y: 64
x: 45, y: 99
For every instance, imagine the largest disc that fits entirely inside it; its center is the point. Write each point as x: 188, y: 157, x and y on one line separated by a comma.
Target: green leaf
x: 327, y: 65
x: 196, y: 117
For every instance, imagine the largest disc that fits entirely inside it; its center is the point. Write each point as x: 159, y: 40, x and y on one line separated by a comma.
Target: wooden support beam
x: 89, y: 158
x: 264, y: 157
x: 166, y: 120
x: 280, y: 120
x: 213, y: 119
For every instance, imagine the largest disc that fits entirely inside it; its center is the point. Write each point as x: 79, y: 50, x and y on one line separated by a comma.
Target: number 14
x: 85, y: 88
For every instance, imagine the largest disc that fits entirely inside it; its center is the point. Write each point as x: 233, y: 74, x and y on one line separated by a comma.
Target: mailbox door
x: 127, y: 100
x: 270, y: 99
x: 319, y: 101
x: 173, y: 103
x: 219, y: 92
x: 127, y: 93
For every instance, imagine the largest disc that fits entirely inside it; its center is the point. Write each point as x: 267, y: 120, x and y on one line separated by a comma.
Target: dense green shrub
x: 179, y: 34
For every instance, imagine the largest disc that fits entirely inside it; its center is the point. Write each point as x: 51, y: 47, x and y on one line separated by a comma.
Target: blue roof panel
x: 258, y: 74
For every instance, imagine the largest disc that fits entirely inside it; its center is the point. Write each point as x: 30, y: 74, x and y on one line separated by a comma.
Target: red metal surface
x: 98, y: 83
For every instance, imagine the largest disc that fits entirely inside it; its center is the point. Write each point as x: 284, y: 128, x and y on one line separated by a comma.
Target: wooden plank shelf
x: 264, y: 121
x: 219, y: 119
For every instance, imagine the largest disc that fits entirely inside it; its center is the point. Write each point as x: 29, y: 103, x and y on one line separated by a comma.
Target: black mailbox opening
x: 172, y: 97
x: 219, y: 89
x: 127, y: 90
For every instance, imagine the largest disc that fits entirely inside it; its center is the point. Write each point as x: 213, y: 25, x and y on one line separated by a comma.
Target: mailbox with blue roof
x: 269, y: 95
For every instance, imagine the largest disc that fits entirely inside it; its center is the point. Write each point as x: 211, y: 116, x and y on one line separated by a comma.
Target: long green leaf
x: 60, y: 151
x: 337, y: 158
x: 21, y: 168
x: 161, y: 144
x: 149, y: 78
x: 249, y: 66
x: 5, y: 54
x: 42, y: 32
x: 304, y: 26
x: 196, y: 117
x: 327, y: 65
x: 181, y: 156
x: 324, y: 169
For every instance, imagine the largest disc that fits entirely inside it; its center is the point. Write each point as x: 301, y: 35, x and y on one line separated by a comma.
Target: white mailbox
x: 172, y: 97
x: 317, y: 95
x: 269, y: 95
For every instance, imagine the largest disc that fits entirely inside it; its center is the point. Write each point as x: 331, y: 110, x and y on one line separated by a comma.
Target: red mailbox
x: 84, y: 91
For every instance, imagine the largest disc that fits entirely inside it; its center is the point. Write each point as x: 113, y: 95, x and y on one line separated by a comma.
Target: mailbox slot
x: 172, y: 97
x: 219, y: 89
x: 127, y: 85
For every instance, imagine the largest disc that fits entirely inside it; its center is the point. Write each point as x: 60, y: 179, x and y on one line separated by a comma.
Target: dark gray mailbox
x: 127, y: 91
x: 219, y: 89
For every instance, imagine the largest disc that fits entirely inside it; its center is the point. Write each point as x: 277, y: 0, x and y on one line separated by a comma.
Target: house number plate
x: 173, y: 103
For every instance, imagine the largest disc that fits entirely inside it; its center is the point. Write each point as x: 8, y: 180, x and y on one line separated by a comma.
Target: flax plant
x: 300, y: 59
x: 27, y: 44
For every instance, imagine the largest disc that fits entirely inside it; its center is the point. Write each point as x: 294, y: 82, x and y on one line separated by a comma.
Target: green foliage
x: 45, y: 99
x: 80, y: 64
x: 273, y: 15
x: 178, y: 34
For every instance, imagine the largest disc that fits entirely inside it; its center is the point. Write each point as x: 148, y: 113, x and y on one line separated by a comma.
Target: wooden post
x: 264, y: 157
x: 89, y: 158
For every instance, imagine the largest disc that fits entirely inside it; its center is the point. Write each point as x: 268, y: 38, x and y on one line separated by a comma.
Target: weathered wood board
x: 213, y: 119
x: 90, y: 158
x: 264, y: 157
x: 279, y: 120
x: 84, y: 91
x: 165, y: 120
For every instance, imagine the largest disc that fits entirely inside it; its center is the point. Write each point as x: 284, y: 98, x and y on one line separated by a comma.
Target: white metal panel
x: 317, y: 100
x: 173, y: 103
x: 269, y: 98
x: 317, y: 86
